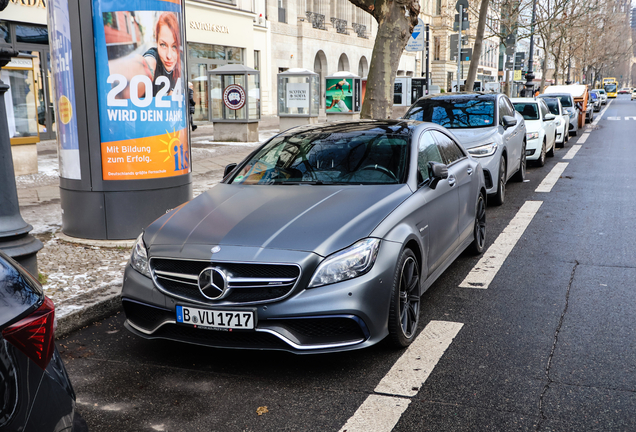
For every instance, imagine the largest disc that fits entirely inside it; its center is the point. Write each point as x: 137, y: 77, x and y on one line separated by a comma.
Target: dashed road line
x: 550, y: 180
x: 572, y: 152
x: 600, y: 115
x: 583, y: 138
x: 486, y: 269
x: 381, y: 411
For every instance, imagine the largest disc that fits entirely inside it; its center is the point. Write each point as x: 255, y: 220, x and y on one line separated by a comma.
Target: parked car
x: 567, y: 102
x: 625, y: 90
x: 488, y: 127
x: 596, y: 101
x: 561, y: 120
x: 540, y: 128
x: 633, y: 93
x: 580, y: 97
x: 322, y: 240
x: 36, y: 392
x: 601, y: 93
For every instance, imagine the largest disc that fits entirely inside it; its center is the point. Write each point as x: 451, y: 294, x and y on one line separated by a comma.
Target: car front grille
x: 145, y: 316
x: 247, y: 283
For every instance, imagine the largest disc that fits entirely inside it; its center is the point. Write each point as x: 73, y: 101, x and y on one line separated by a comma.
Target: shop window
x: 437, y: 48
x: 5, y: 36
x: 32, y: 34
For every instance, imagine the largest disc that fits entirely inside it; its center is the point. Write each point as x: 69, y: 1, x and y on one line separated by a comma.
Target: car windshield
x: 455, y: 113
x: 328, y: 158
x: 529, y: 111
x: 553, y: 105
x: 594, y: 96
x: 610, y: 88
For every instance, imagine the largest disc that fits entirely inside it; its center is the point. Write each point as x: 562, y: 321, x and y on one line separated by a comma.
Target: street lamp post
x: 15, y: 239
x: 529, y: 91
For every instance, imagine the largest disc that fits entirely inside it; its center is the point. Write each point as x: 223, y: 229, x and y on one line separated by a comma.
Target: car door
x: 460, y: 167
x: 549, y: 126
x: 512, y: 136
x: 438, y: 216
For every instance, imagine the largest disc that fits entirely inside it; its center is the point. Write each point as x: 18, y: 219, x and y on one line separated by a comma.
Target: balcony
x: 340, y: 25
x: 361, y: 30
x: 317, y: 20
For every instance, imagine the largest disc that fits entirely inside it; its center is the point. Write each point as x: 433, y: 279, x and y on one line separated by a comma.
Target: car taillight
x: 34, y: 335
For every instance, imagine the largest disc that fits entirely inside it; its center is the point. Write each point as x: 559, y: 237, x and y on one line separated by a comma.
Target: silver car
x: 490, y: 129
x: 322, y: 240
x: 567, y: 102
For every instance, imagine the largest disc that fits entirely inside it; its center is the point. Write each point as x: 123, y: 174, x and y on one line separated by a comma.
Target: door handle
x: 469, y: 171
x: 451, y: 181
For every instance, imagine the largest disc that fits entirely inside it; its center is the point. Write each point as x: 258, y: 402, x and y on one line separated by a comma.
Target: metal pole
x: 459, y: 45
x: 530, y: 75
x: 15, y: 239
x: 427, y: 54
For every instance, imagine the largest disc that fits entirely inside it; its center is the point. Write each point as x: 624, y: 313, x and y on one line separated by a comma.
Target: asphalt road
x: 549, y: 345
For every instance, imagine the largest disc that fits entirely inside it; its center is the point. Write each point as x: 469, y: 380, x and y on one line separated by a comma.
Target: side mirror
x: 509, y: 121
x: 229, y: 168
x: 438, y: 171
x: 549, y: 117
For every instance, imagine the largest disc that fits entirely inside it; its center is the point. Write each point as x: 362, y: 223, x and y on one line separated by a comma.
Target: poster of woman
x: 339, y: 95
x: 143, y: 110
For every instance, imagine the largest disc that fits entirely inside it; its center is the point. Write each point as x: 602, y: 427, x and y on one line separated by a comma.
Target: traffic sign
x: 416, y: 41
x: 463, y: 3
x: 453, y: 42
x: 467, y: 54
x: 465, y: 23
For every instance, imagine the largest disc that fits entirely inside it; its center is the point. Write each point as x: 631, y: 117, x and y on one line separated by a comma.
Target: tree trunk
x: 396, y: 20
x: 393, y: 34
x: 479, y: 38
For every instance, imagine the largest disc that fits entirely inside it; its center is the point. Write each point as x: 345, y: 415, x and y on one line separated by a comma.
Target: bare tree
x: 396, y: 20
x: 479, y: 37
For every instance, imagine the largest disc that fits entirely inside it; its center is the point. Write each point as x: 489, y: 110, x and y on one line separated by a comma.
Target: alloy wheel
x: 409, y: 297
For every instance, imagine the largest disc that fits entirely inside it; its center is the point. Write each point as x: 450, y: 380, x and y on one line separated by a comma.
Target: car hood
x: 319, y: 219
x: 534, y: 125
x: 475, y: 137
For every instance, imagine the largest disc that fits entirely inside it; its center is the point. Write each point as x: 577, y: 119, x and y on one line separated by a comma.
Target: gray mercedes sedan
x: 322, y: 240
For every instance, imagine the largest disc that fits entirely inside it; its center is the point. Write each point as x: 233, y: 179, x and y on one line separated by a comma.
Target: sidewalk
x: 84, y: 277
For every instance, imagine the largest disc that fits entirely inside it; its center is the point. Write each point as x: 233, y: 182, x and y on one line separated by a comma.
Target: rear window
x: 455, y: 113
x: 553, y: 105
x: 18, y: 291
x: 566, y: 99
x: 529, y: 111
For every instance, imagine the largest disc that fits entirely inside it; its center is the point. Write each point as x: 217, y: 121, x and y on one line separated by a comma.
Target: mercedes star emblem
x: 213, y: 283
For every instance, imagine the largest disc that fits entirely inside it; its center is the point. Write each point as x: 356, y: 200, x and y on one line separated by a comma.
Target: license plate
x: 216, y: 319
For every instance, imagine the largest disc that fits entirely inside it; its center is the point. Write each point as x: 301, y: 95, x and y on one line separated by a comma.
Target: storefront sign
x: 141, y: 78
x: 197, y: 25
x: 32, y: 3
x: 234, y: 97
x: 25, y: 63
x: 62, y: 69
x: 297, y: 95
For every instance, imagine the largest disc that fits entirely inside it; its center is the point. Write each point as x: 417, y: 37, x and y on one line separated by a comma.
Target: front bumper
x: 343, y: 316
x: 490, y: 165
x: 533, y: 148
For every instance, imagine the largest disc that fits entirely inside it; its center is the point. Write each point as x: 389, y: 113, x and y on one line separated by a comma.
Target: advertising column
x: 141, y: 79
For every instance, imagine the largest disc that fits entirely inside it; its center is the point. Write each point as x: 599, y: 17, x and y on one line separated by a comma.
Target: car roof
x: 523, y: 99
x: 461, y: 95
x: 397, y: 126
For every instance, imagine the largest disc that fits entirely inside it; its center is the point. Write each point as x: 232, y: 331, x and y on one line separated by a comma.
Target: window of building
x: 437, y: 48
x: 438, y: 7
x: 33, y: 34
x: 257, y: 60
x: 5, y: 35
x: 282, y: 11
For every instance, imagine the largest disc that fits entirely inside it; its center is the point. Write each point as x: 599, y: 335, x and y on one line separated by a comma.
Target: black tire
x: 520, y: 175
x: 573, y: 133
x: 541, y: 160
x: 479, y: 230
x: 404, y: 313
x: 551, y: 152
x: 500, y: 196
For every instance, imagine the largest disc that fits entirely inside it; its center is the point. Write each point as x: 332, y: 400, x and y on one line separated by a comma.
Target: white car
x: 540, y: 128
x: 633, y: 93
x: 561, y: 121
x: 601, y: 93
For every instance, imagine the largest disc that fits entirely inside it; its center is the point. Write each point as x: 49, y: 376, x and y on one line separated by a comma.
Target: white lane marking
x: 550, y: 180
x: 486, y: 269
x: 600, y: 115
x: 583, y: 138
x: 572, y: 152
x: 613, y: 118
x: 626, y: 118
x: 377, y: 413
x: 381, y: 412
x: 414, y: 366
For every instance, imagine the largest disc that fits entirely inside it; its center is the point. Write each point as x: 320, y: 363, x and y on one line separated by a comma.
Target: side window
x: 511, y: 109
x: 544, y: 109
x: 427, y: 152
x: 451, y: 152
x: 504, y: 109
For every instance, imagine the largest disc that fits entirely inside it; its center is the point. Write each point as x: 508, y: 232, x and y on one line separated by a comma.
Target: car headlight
x: 532, y: 135
x: 558, y: 122
x: 349, y: 263
x: 572, y: 114
x: 139, y: 256
x: 483, y: 150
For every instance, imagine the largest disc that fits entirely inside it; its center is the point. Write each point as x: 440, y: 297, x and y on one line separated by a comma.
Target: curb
x: 107, y: 304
